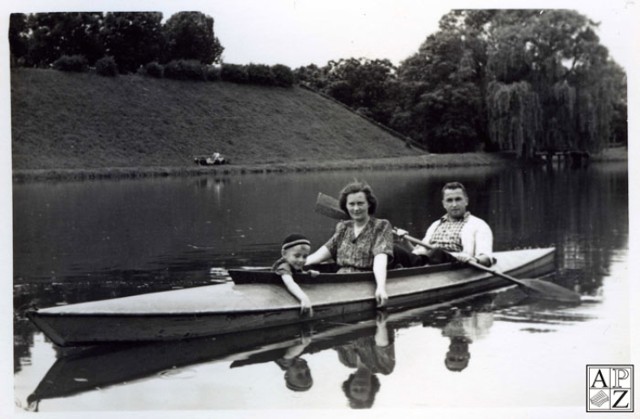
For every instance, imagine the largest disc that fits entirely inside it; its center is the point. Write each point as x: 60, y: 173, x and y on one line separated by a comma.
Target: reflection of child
x: 295, y: 249
x: 297, y: 374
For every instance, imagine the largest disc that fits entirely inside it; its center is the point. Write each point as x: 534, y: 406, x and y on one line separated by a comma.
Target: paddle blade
x: 330, y: 207
x: 549, y: 291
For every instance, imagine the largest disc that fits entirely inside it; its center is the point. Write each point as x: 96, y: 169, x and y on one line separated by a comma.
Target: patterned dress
x: 355, y: 254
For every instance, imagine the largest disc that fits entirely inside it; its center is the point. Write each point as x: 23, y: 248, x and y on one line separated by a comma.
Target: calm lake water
x: 81, y: 241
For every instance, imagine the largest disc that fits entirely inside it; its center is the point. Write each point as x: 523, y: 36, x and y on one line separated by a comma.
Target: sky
x: 301, y: 32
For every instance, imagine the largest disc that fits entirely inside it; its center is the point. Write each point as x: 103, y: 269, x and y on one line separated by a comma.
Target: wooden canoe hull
x: 103, y: 365
x: 226, y: 308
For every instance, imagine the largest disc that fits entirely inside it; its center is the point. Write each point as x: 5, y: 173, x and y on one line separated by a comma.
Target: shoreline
x: 409, y: 162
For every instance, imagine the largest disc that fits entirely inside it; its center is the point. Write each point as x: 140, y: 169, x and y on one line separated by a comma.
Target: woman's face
x: 360, y: 387
x: 358, y: 206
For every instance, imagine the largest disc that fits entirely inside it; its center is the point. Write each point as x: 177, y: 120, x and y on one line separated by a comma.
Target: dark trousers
x: 404, y: 258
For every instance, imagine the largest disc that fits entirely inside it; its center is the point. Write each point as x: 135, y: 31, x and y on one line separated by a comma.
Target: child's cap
x: 294, y: 240
x: 298, y: 376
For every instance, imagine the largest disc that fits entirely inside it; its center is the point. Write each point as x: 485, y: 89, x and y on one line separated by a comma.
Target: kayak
x: 257, y: 299
x: 78, y: 369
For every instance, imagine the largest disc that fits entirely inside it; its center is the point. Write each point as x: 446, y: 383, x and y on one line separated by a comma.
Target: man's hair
x: 355, y: 187
x: 454, y: 185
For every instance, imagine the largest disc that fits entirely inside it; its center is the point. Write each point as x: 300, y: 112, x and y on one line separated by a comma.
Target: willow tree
x: 548, y: 82
x: 520, y: 80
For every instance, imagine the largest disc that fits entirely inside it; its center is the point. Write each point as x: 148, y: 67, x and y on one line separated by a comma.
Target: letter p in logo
x: 619, y: 374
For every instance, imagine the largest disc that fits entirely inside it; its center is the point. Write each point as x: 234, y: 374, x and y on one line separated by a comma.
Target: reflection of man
x: 462, y: 235
x: 463, y: 330
x: 369, y: 355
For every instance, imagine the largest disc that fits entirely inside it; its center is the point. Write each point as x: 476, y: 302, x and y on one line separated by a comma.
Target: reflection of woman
x: 363, y: 243
x: 369, y: 355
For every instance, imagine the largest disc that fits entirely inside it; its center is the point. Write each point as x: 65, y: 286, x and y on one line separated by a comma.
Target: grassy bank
x: 63, y: 121
x: 82, y: 126
x: 420, y: 161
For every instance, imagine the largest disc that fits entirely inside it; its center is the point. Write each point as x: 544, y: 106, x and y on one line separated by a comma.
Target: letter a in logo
x: 599, y: 377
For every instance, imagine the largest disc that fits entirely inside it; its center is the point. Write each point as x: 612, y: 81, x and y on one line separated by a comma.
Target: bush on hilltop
x: 282, y: 75
x: 184, y: 70
x: 154, y: 69
x: 107, y: 67
x: 75, y: 63
x: 234, y: 73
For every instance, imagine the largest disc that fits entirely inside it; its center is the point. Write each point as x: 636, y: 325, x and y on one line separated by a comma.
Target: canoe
x: 256, y: 300
x: 79, y: 370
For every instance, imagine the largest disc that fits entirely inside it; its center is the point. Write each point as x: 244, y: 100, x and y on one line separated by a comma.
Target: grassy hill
x: 84, y: 121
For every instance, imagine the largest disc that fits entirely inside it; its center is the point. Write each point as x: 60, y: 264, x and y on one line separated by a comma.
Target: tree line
x: 132, y: 39
x: 512, y: 80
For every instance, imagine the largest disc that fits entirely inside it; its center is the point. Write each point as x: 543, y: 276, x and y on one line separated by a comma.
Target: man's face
x: 455, y: 203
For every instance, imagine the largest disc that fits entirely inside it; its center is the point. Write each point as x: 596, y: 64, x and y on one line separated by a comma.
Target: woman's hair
x: 361, y: 404
x: 355, y: 187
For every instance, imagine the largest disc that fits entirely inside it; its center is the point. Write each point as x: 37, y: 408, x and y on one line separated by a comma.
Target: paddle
x: 329, y: 206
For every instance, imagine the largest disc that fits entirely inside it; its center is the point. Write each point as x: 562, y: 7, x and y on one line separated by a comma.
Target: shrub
x: 234, y: 73
x: 260, y: 74
x: 77, y: 63
x: 106, y: 66
x: 184, y: 70
x: 154, y: 69
x: 211, y: 73
x: 282, y: 75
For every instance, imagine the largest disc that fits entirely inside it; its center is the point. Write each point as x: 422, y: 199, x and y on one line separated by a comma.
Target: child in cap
x: 295, y: 249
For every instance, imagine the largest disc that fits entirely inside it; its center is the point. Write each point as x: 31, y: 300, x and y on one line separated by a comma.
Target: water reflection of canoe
x: 247, y: 305
x: 79, y: 371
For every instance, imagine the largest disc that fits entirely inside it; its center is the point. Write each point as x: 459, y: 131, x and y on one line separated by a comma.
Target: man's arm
x: 421, y: 250
x: 484, y: 244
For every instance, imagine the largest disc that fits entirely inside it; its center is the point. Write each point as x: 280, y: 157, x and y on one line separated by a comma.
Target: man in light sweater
x: 463, y: 236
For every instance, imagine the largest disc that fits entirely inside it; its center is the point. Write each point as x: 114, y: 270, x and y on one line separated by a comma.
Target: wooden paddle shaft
x: 469, y: 262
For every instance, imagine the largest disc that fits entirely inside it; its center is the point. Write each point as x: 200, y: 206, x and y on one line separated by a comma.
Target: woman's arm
x: 382, y: 333
x: 380, y: 272
x: 318, y: 256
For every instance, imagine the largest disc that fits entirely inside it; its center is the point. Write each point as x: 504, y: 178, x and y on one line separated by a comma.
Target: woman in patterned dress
x: 362, y: 243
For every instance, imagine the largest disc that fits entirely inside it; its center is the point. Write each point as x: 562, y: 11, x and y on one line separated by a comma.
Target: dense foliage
x: 184, y: 70
x: 234, y: 73
x: 106, y: 66
x: 515, y: 80
x: 133, y: 39
x: 74, y: 63
x: 154, y: 69
x: 282, y: 75
x: 190, y: 37
x: 523, y: 81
